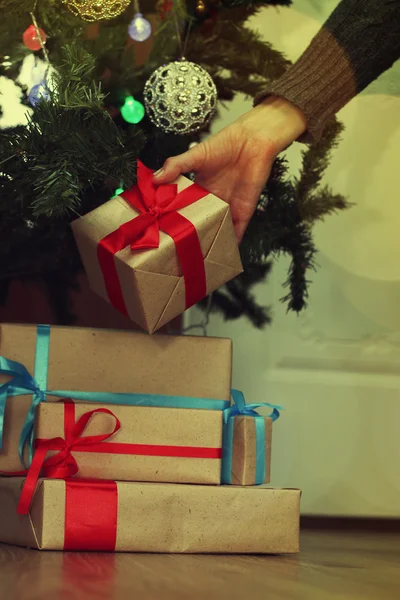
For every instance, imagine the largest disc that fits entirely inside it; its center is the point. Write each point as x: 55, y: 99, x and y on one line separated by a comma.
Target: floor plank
x: 331, y: 565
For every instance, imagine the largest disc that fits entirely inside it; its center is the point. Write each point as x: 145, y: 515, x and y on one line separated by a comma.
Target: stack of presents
x: 122, y: 441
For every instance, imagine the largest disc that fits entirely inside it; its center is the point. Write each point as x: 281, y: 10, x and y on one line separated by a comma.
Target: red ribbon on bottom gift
x: 158, y: 208
x: 91, y: 515
x: 63, y: 464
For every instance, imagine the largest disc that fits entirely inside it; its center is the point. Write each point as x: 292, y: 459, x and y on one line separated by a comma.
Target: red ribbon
x: 91, y: 515
x: 63, y: 464
x: 158, y: 206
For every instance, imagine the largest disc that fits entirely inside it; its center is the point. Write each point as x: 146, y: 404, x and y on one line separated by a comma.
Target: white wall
x: 336, y: 367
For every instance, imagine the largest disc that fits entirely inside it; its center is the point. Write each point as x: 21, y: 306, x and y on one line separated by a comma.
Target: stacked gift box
x: 116, y: 440
x: 120, y: 441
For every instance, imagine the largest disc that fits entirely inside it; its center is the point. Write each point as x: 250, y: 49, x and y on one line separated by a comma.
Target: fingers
x: 243, y: 205
x: 240, y: 228
x: 176, y: 165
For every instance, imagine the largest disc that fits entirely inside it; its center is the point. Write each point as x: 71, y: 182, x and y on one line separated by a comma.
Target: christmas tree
x: 77, y: 70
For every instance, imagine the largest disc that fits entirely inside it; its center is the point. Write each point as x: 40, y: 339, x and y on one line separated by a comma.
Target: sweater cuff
x: 320, y: 83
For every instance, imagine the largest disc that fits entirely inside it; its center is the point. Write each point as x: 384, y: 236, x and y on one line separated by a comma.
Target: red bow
x: 158, y: 206
x: 62, y: 465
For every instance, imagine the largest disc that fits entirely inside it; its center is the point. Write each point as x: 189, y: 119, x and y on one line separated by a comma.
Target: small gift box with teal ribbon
x: 40, y: 363
x: 247, y: 441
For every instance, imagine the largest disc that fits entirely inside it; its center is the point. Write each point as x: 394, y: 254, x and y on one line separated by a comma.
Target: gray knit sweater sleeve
x: 360, y: 40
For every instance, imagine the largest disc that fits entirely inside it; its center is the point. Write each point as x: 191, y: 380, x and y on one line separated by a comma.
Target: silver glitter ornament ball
x: 180, y: 97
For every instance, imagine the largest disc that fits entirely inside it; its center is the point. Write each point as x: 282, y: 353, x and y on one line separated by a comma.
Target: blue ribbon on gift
x: 22, y: 383
x: 240, y: 407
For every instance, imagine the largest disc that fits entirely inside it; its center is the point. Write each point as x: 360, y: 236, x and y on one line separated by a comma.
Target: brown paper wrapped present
x: 244, y: 457
x: 151, y: 517
x: 175, y: 445
x: 106, y: 361
x: 154, y: 444
x: 152, y: 258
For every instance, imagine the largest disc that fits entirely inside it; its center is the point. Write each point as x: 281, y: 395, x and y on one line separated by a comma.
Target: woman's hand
x: 235, y: 163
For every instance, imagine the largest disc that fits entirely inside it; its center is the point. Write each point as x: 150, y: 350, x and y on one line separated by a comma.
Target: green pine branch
x: 223, y: 53
x: 70, y: 143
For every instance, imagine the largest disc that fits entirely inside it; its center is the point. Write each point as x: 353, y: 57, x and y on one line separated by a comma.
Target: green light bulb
x: 132, y: 110
x: 117, y: 192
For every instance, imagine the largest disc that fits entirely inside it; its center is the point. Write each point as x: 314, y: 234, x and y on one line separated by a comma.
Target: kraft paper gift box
x: 138, y: 443
x: 102, y: 363
x: 151, y: 517
x: 153, y: 444
x: 244, y: 455
x: 152, y: 262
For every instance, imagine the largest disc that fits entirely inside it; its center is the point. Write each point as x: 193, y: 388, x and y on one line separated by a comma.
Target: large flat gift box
x: 175, y: 445
x: 106, y: 361
x: 152, y: 262
x: 151, y: 517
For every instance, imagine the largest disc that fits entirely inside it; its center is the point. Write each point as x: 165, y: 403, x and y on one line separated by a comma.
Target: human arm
x: 359, y: 41
x: 236, y: 162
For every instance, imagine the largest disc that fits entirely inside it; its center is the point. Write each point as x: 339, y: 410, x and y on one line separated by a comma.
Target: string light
x: 132, y: 111
x: 117, y: 192
x: 139, y: 28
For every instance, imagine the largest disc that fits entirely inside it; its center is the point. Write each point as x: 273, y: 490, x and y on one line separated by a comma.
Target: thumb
x: 191, y: 160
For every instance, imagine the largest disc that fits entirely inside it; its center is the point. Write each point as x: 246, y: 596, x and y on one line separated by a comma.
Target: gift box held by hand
x: 153, y: 252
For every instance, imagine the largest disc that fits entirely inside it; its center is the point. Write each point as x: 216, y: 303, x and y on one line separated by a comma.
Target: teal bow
x: 240, y: 407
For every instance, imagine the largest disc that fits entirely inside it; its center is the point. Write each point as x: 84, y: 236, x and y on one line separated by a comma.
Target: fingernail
x: 159, y: 173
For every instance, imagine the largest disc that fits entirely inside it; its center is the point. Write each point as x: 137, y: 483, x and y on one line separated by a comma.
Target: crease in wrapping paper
x: 151, y: 281
x: 175, y: 518
x: 102, y: 360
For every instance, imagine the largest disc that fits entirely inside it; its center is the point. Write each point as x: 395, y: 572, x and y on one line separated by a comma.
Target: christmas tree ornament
x: 96, y: 10
x: 36, y: 75
x: 132, y: 111
x: 38, y: 92
x: 34, y: 38
x: 13, y: 109
x: 139, y: 28
x: 180, y: 97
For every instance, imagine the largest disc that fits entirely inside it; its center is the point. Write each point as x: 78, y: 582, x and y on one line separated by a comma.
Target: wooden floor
x: 332, y: 565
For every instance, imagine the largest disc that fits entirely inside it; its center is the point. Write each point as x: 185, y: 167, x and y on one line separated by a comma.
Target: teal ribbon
x: 240, y: 407
x: 22, y: 383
